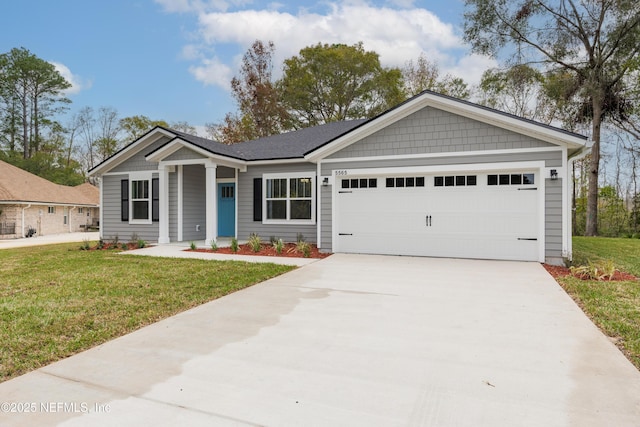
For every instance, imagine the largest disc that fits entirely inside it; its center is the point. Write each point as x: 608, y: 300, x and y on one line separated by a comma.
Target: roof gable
x: 456, y: 106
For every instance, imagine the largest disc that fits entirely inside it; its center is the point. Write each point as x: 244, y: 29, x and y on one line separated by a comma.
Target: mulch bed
x: 559, y: 271
x: 109, y: 246
x: 289, y: 251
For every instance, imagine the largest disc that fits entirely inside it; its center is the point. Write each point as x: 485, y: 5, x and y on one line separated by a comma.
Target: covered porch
x: 197, y: 194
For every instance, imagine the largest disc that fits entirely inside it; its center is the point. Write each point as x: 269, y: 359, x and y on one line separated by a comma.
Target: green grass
x: 613, y: 306
x: 57, y: 300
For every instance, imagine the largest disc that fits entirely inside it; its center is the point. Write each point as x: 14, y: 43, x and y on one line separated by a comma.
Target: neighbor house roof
x: 20, y: 186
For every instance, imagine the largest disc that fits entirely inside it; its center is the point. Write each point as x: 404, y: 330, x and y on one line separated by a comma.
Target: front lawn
x: 613, y: 306
x: 57, y: 300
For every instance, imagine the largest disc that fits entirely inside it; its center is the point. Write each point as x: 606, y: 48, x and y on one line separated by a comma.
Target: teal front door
x: 227, y: 209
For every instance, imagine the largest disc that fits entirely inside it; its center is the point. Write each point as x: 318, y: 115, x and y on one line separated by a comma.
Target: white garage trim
x: 536, y: 166
x: 446, y: 154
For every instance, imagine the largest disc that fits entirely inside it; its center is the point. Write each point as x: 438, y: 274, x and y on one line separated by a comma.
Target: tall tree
x: 594, y: 42
x: 136, y: 126
x: 425, y: 75
x: 260, y: 112
x: 327, y: 83
x: 519, y: 90
x: 32, y: 93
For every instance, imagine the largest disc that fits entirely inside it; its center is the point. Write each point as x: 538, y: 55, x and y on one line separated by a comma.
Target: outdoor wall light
x: 554, y: 174
x: 325, y: 181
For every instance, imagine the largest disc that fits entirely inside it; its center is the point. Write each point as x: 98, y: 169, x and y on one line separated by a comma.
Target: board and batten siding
x: 246, y: 224
x: 112, y: 225
x: 194, y: 208
x: 435, y: 131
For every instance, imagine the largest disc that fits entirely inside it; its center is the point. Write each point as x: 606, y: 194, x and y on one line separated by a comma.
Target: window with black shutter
x: 124, y: 200
x: 257, y: 199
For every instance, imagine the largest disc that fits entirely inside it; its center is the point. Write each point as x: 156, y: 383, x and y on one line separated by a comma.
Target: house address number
x: 341, y: 172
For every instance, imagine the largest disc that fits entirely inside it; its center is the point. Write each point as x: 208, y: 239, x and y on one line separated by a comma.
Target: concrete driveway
x: 356, y: 341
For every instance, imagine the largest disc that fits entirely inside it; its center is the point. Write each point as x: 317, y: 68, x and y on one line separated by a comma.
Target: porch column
x: 212, y: 203
x: 163, y: 188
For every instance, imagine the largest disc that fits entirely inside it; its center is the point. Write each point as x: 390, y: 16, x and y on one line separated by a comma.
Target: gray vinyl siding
x: 246, y: 224
x: 553, y: 218
x: 326, y: 227
x: 194, y: 209
x: 185, y: 154
x: 225, y: 172
x: 435, y: 131
x: 137, y: 162
x: 112, y: 226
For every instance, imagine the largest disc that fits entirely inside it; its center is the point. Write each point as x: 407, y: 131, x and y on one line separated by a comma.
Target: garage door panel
x: 476, y: 221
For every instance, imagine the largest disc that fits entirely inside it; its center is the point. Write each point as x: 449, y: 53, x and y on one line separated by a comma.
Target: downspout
x: 22, y: 223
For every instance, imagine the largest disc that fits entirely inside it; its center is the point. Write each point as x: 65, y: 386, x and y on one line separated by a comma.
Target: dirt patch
x: 289, y: 250
x: 559, y: 271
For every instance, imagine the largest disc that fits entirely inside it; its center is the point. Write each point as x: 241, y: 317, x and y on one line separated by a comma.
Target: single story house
x: 434, y: 176
x: 31, y: 205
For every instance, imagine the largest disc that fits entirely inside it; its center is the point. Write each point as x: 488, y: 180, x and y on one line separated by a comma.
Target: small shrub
x: 141, y: 243
x: 603, y: 270
x: 278, y: 245
x: 116, y: 240
x: 273, y: 240
x: 214, y: 246
x: 192, y: 245
x: 85, y: 245
x: 304, y: 248
x: 299, y: 238
x: 123, y: 246
x: 134, y: 237
x: 100, y: 244
x: 234, y: 245
x: 255, y: 242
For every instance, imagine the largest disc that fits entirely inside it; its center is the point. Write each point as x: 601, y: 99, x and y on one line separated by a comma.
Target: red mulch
x: 558, y: 271
x: 289, y: 250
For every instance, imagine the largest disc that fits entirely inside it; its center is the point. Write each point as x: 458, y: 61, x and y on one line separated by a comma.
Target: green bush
x: 234, y: 245
x: 254, y: 242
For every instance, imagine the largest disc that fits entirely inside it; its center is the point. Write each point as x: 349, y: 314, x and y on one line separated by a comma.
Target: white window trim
x: 140, y: 176
x: 288, y: 176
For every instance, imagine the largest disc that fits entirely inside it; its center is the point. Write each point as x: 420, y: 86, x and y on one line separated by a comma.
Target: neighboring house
x: 31, y: 204
x: 434, y: 176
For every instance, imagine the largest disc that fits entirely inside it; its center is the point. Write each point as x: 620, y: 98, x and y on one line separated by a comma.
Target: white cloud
x: 471, y: 67
x: 397, y: 35
x: 213, y: 72
x: 77, y: 82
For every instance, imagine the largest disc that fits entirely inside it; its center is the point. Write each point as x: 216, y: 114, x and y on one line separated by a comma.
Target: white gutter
x: 22, y: 224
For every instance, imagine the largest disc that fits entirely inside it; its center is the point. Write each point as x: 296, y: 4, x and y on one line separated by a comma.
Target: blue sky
x: 173, y: 59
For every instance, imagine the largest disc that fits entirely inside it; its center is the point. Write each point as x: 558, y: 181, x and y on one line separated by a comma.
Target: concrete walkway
x: 49, y: 239
x: 351, y: 340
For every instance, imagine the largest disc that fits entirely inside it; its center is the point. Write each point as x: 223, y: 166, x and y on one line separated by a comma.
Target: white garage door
x: 488, y: 215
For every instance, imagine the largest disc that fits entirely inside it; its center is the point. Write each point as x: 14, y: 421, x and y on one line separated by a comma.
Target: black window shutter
x: 124, y: 200
x: 155, y: 199
x: 257, y: 199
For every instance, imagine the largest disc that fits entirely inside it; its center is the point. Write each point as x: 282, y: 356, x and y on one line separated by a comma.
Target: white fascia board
x: 534, y: 130
x: 453, y: 106
x: 130, y: 150
x: 471, y: 167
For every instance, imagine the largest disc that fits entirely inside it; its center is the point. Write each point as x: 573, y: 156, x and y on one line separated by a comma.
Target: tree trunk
x: 591, y: 228
x: 25, y: 122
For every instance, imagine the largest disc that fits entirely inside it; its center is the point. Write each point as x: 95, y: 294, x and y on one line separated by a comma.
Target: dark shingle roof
x: 290, y: 145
